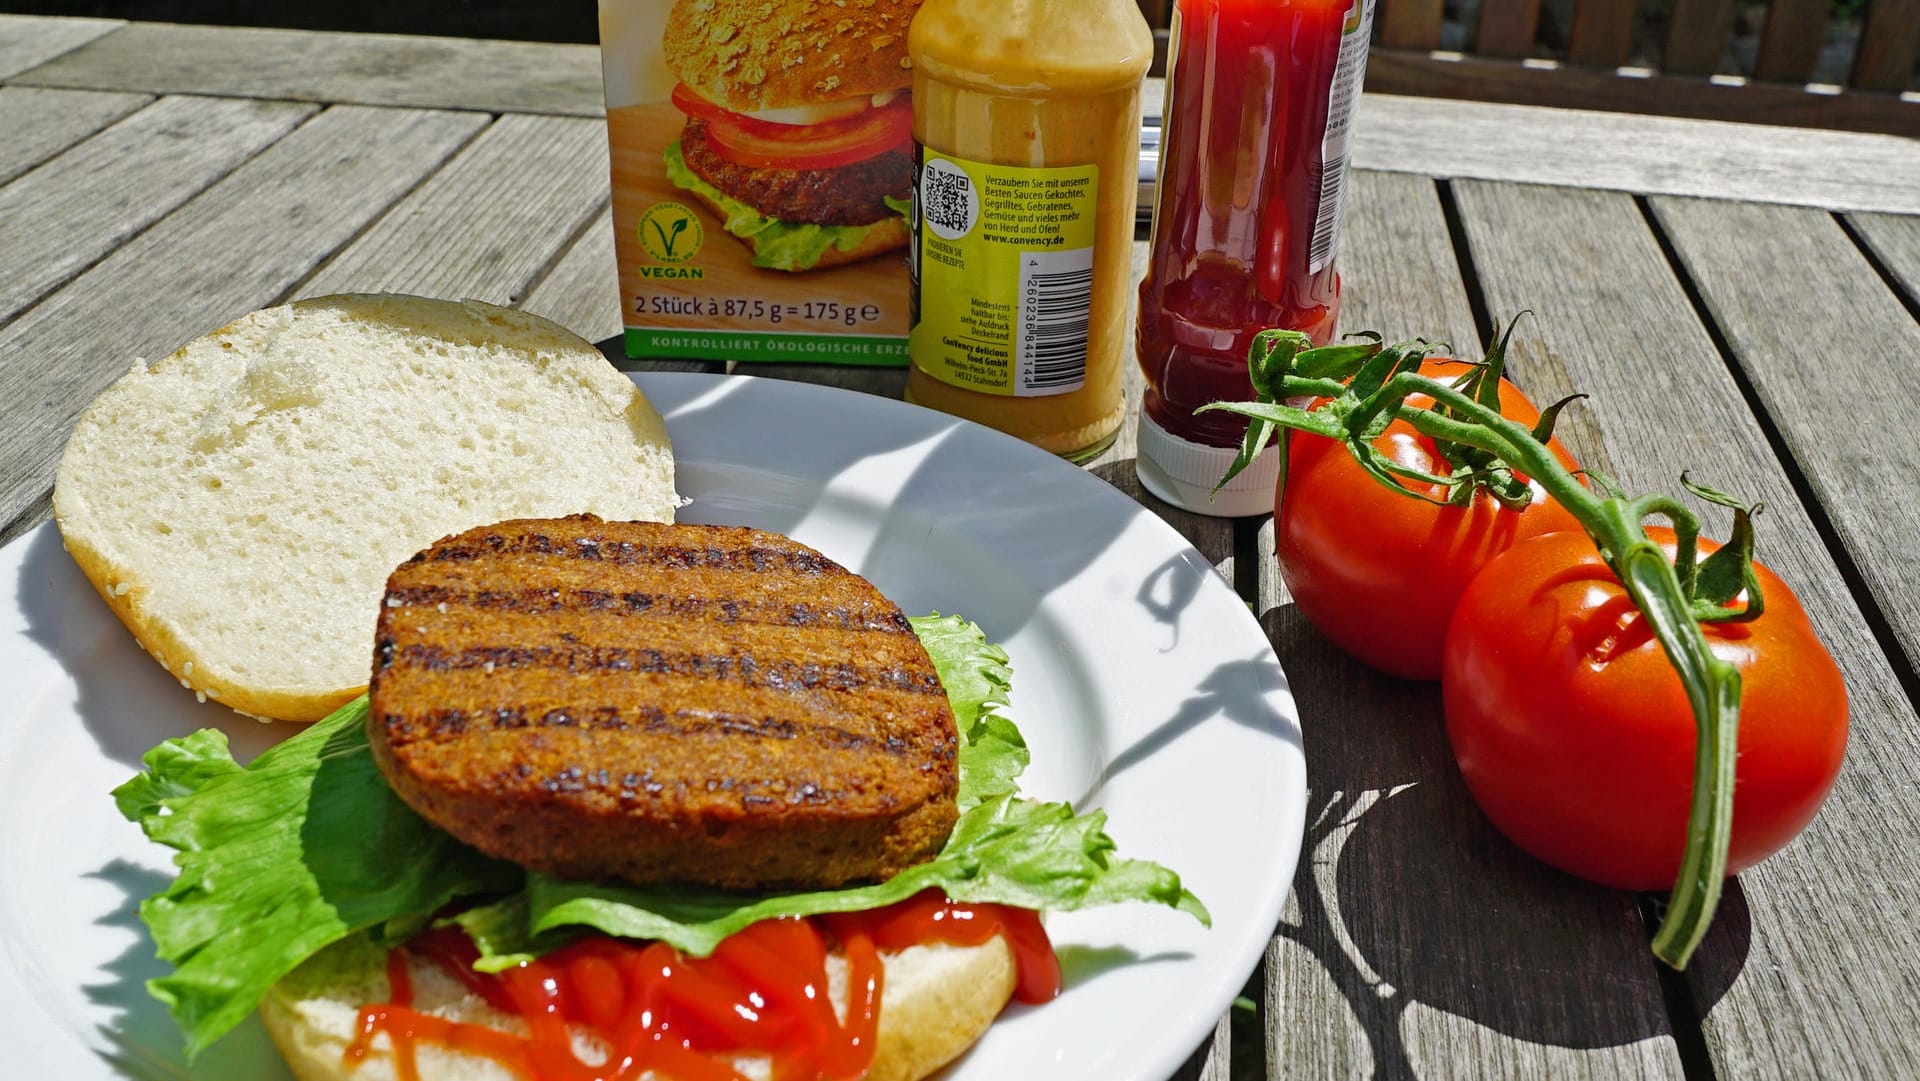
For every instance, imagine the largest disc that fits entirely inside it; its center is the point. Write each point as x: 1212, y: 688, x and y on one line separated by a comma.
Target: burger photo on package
x: 799, y: 131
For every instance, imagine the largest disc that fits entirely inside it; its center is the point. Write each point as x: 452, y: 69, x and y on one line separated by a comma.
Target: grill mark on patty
x: 722, y: 610
x: 405, y: 728
x: 744, y: 669
x: 627, y: 553
x: 633, y: 787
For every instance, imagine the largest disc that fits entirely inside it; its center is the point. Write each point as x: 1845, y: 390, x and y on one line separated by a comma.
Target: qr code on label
x: 948, y: 202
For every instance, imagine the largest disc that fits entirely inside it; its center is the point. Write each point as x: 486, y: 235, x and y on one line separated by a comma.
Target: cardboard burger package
x: 762, y: 173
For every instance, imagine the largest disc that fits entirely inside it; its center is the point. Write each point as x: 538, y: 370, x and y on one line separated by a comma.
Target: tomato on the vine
x: 1379, y: 572
x: 1575, y: 735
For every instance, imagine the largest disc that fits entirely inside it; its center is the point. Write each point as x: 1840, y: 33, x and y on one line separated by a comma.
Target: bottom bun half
x: 935, y: 1001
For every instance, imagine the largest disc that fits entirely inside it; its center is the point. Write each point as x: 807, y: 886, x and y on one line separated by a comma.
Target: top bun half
x: 750, y: 55
x: 240, y: 503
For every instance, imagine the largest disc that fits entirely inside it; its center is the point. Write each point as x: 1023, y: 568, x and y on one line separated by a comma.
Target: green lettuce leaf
x: 308, y: 846
x: 1003, y: 850
x: 300, y: 849
x: 777, y: 245
x: 976, y: 677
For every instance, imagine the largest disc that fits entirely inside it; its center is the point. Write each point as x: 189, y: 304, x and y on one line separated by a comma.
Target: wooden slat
x: 1791, y: 40
x: 1507, y: 27
x: 1399, y: 71
x: 27, y: 41
x: 1410, y: 24
x: 28, y: 516
x: 1638, y: 153
x: 1212, y: 1060
x: 1819, y: 335
x: 1822, y: 341
x: 582, y: 289
x: 41, y: 123
x: 1398, y: 273
x: 58, y: 219
x: 1697, y: 32
x: 369, y: 69
x: 1602, y: 33
x: 235, y: 247
x: 1895, y: 241
x: 486, y: 226
x: 1417, y: 943
x: 1803, y: 973
x: 1888, y: 48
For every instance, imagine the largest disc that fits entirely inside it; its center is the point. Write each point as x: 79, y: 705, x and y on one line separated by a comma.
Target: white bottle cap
x: 1183, y: 473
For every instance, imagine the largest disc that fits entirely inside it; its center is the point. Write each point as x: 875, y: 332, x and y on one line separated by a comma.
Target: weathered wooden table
x: 1740, y: 301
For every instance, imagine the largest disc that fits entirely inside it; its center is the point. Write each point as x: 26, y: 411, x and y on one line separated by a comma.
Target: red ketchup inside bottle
x: 762, y: 992
x: 1246, y: 214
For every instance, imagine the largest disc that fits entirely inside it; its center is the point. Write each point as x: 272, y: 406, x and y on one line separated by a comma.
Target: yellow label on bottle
x: 1002, y: 261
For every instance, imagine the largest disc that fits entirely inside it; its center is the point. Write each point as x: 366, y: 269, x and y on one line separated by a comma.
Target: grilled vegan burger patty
x: 646, y: 702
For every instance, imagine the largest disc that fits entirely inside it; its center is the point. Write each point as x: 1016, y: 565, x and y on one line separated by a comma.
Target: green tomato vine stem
x: 1663, y: 593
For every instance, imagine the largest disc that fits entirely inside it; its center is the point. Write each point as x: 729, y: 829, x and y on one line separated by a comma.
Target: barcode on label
x: 1342, y: 94
x: 1326, y: 219
x: 1056, y: 296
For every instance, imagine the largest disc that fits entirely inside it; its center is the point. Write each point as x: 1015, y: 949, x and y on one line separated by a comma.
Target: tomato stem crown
x: 1365, y: 385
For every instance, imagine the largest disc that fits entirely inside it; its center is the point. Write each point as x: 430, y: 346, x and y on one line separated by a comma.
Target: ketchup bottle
x: 1260, y: 101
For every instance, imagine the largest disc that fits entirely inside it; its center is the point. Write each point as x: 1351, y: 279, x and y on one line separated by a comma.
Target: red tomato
x: 1378, y: 571
x: 763, y: 144
x: 1574, y: 733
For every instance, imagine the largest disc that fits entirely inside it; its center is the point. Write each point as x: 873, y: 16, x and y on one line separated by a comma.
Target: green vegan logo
x: 670, y: 232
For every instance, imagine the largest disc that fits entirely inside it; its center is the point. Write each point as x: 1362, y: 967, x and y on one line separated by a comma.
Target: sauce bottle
x: 1027, y: 113
x: 1260, y: 99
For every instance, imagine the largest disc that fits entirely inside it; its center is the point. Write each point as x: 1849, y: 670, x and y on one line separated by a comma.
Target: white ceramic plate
x: 1142, y: 683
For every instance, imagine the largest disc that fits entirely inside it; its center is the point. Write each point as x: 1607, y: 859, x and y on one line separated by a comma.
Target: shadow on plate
x: 1081, y: 965
x: 146, y: 1043
x: 960, y: 494
x: 126, y: 700
x: 1235, y: 690
x: 1407, y: 897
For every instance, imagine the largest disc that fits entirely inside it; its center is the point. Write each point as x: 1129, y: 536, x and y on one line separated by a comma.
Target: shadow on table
x: 1412, y: 904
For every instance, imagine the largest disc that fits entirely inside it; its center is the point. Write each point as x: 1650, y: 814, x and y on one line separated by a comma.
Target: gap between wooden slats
x: 1602, y: 33
x: 1804, y: 321
x: 489, y: 224
x: 1889, y: 46
x: 1697, y: 32
x: 1507, y: 28
x: 1410, y: 24
x: 232, y: 248
x: 1211, y: 1061
x: 1416, y: 942
x: 1790, y: 43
